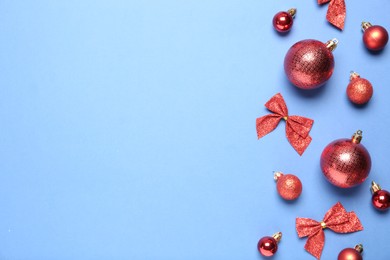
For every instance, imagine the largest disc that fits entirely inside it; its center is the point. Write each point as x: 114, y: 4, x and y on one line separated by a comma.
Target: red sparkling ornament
x: 283, y: 21
x: 268, y: 246
x: 308, y: 64
x: 346, y: 162
x: 288, y: 185
x: 351, y: 253
x: 375, y: 37
x: 380, y: 198
x: 359, y: 90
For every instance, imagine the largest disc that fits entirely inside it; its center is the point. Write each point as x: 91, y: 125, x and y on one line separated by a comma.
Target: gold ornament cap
x: 277, y: 175
x: 277, y: 236
x: 366, y: 25
x: 292, y: 11
x: 375, y: 187
x: 357, y: 137
x: 353, y: 75
x: 359, y: 248
x: 332, y: 44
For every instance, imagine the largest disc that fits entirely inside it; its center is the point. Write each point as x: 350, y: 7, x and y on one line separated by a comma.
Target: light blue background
x: 128, y: 129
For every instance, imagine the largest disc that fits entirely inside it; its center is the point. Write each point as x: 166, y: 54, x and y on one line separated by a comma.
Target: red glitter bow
x: 336, y: 12
x: 297, y: 127
x: 337, y: 219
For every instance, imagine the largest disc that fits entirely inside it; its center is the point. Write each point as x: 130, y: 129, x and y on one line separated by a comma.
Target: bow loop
x: 336, y: 219
x: 297, y: 127
x: 336, y: 12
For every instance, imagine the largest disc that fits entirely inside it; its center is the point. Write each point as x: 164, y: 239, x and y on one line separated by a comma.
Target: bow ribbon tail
x: 297, y: 132
x: 266, y: 124
x: 336, y: 12
x: 315, y: 244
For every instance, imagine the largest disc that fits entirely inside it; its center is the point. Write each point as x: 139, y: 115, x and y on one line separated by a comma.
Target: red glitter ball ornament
x: 380, y: 198
x: 283, y: 21
x: 268, y: 246
x: 308, y: 64
x: 288, y: 185
x: 345, y: 162
x: 375, y: 37
x: 359, y: 90
x: 351, y: 253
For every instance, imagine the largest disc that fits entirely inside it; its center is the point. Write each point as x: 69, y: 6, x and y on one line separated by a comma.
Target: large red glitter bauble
x: 375, y: 38
x: 381, y: 199
x: 345, y: 163
x: 267, y: 246
x: 309, y: 64
x: 349, y: 254
x: 289, y: 186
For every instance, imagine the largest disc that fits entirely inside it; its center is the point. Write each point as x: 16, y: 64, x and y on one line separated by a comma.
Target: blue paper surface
x: 128, y: 129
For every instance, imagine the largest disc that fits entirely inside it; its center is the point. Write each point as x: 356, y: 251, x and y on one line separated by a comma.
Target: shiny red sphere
x: 359, y: 91
x: 308, y: 64
x: 345, y: 164
x: 289, y: 187
x: 381, y: 199
x: 375, y: 38
x: 283, y: 22
x: 267, y: 246
x: 349, y: 254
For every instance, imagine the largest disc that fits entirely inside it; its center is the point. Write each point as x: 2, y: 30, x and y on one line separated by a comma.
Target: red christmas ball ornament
x: 380, y: 198
x: 346, y: 162
x: 268, y: 246
x: 308, y: 64
x: 351, y: 253
x: 283, y: 21
x: 359, y: 90
x: 375, y: 37
x: 288, y: 185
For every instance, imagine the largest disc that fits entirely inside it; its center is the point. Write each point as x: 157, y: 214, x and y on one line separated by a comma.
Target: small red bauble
x: 308, y: 64
x: 359, y: 90
x: 351, y: 253
x: 288, y: 185
x: 268, y: 246
x: 283, y: 21
x: 380, y: 198
x: 375, y: 37
x: 345, y: 162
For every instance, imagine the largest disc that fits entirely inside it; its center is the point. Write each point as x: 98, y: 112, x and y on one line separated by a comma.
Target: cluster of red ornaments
x: 345, y: 163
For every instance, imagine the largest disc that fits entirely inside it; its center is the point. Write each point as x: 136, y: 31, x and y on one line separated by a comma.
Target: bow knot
x: 336, y: 12
x: 323, y: 224
x: 336, y: 219
x: 297, y: 127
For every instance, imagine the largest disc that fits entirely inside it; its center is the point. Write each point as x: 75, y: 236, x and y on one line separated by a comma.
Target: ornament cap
x: 353, y: 75
x: 332, y: 44
x: 357, y: 137
x: 277, y: 175
x: 292, y: 11
x: 375, y: 187
x: 359, y: 248
x: 365, y: 25
x: 277, y: 236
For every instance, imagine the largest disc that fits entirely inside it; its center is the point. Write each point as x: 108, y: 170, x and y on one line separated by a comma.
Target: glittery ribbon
x: 336, y: 219
x: 297, y: 127
x: 336, y: 12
